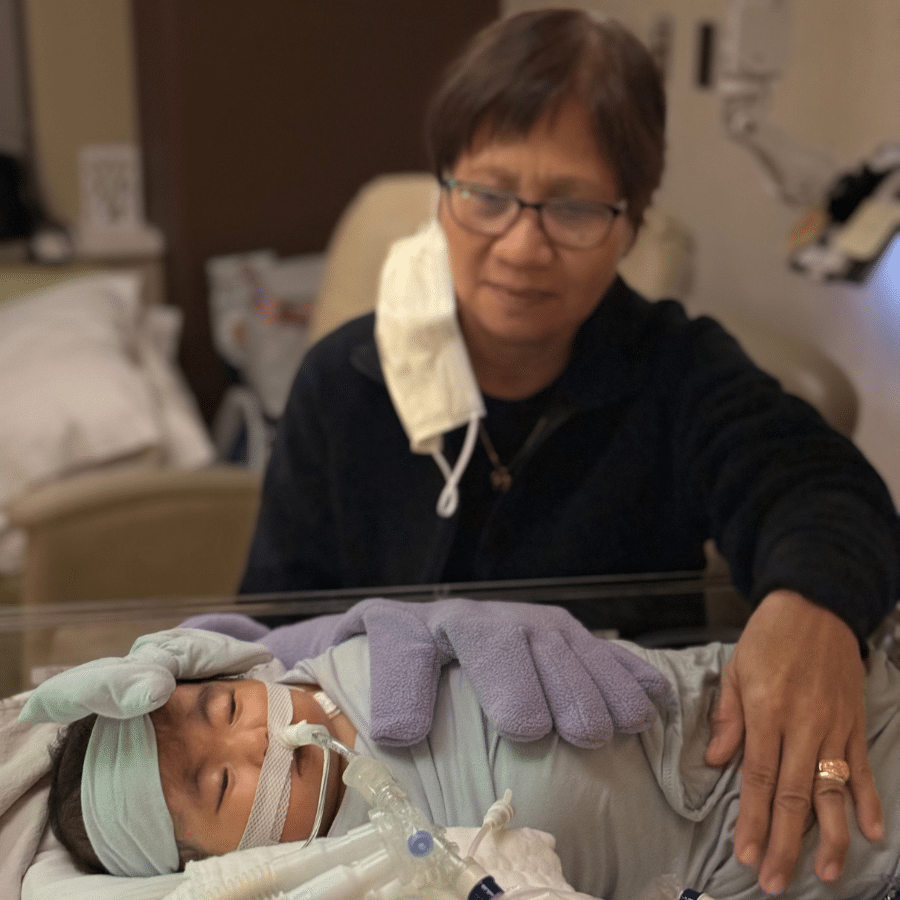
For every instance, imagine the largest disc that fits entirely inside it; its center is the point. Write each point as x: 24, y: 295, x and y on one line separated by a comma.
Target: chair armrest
x: 801, y: 368
x: 96, y: 492
x: 137, y: 533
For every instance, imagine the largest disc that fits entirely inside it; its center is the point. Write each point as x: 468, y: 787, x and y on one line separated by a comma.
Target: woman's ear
x: 629, y: 237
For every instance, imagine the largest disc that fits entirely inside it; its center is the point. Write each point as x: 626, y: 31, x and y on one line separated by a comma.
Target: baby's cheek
x: 294, y: 820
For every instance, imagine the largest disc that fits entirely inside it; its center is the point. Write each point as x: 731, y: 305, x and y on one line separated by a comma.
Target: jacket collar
x: 605, y: 365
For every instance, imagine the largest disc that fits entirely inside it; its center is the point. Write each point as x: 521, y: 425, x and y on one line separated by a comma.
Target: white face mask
x: 423, y: 355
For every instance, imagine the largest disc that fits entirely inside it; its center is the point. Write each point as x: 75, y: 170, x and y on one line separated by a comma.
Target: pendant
x: 501, y: 480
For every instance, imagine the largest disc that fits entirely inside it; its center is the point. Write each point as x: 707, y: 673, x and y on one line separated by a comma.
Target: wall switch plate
x: 111, y: 219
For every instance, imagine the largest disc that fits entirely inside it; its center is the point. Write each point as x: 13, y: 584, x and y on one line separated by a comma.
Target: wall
x: 261, y: 121
x: 12, y: 90
x: 841, y: 91
x: 81, y: 85
x: 258, y: 121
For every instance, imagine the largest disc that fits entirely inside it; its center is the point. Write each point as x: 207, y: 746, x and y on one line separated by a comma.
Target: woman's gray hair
x: 526, y: 65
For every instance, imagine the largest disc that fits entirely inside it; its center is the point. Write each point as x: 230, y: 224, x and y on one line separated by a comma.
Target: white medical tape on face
x: 273, y: 791
x: 330, y: 707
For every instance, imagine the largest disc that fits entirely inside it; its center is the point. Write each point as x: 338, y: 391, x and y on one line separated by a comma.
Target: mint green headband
x: 122, y: 801
x: 123, y: 805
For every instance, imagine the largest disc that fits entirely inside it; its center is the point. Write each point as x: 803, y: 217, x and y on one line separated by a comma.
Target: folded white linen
x: 24, y: 766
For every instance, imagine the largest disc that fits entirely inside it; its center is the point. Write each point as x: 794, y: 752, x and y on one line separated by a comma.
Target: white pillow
x: 186, y: 441
x: 72, y: 393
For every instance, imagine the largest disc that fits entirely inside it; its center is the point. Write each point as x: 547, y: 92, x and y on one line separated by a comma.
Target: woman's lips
x: 526, y: 294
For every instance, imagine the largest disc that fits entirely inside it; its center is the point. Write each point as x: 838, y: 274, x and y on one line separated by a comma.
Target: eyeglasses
x: 576, y: 224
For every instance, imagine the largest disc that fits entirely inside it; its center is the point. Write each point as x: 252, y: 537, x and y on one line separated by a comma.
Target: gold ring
x: 833, y: 770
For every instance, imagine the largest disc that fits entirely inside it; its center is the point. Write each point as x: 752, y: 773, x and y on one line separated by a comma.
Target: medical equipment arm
x: 753, y: 58
x: 850, y: 216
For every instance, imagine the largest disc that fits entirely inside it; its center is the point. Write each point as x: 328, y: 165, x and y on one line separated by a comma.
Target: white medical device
x: 852, y: 215
x: 399, y: 854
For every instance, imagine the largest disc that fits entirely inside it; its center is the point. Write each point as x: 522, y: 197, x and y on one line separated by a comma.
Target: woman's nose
x: 526, y: 242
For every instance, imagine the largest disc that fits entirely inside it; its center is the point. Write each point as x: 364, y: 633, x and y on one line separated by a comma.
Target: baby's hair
x: 64, y: 802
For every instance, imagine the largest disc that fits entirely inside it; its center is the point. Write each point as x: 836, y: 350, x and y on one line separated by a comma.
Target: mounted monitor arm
x: 754, y: 55
x: 850, y: 216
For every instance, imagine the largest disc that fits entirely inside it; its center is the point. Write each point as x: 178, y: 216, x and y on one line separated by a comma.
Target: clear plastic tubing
x: 325, y: 854
x: 272, y: 879
x: 342, y: 882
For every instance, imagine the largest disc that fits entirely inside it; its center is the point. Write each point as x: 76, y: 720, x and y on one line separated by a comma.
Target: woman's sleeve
x: 792, y: 504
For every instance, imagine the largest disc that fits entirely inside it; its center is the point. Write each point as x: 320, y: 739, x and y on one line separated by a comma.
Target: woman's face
x: 211, y: 739
x: 520, y: 288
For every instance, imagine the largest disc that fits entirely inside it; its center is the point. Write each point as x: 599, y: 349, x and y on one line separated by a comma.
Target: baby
x: 533, y: 668
x: 643, y: 806
x: 211, y: 738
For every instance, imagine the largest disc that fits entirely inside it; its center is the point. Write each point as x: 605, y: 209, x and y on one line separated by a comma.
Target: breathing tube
x: 398, y: 854
x: 415, y: 849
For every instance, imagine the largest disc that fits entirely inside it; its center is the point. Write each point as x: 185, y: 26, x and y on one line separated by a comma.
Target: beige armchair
x: 131, y: 533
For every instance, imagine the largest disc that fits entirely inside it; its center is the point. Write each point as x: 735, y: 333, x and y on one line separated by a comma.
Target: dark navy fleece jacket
x: 661, y: 433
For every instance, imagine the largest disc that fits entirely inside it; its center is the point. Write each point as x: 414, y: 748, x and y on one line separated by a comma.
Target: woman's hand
x: 793, y: 692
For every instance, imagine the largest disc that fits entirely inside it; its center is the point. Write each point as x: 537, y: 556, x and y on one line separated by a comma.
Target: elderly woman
x: 589, y: 430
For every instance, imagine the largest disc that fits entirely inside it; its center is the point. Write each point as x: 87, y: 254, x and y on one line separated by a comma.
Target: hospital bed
x: 522, y: 859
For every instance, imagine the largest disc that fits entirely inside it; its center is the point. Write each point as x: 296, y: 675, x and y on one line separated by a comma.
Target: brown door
x: 261, y: 118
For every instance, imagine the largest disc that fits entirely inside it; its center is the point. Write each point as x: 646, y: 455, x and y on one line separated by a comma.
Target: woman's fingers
x: 779, y: 791
x: 862, y: 786
x: 762, y: 755
x: 726, y: 722
x: 830, y: 797
x: 799, y: 679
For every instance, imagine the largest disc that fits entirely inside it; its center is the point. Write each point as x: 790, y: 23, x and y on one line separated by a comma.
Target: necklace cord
x: 502, y: 475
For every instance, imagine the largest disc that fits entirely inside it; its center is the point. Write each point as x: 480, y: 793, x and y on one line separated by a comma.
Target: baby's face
x: 212, y: 739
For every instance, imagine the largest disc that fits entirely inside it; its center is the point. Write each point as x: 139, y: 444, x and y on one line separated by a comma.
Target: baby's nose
x: 251, y: 743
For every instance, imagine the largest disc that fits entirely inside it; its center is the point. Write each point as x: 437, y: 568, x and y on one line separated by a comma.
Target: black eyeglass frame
x: 615, y: 209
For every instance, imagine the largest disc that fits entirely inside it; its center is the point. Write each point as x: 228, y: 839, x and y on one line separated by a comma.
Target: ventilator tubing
x: 273, y: 880
x: 397, y: 855
x: 422, y: 854
x: 413, y: 852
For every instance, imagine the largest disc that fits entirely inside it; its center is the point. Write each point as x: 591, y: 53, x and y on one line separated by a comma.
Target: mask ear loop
x: 449, y: 498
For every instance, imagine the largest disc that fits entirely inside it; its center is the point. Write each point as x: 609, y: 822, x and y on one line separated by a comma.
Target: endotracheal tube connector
x: 413, y: 853
x: 302, y: 734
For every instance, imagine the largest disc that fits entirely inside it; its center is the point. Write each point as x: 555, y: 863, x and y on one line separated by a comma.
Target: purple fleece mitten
x: 533, y: 668
x: 289, y: 643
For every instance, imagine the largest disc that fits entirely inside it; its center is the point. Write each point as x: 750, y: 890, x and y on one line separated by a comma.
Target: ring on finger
x: 833, y: 770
